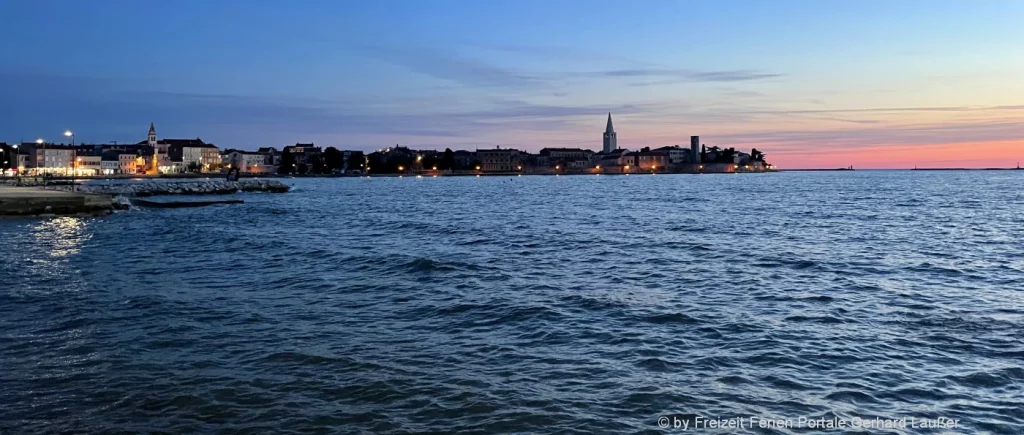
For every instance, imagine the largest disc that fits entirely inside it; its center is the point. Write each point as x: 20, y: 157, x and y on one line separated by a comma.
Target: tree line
x: 328, y: 162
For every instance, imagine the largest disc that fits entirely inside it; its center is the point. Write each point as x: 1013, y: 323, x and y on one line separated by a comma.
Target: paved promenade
x: 19, y: 201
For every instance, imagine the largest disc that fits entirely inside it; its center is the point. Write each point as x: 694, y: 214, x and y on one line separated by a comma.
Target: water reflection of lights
x: 63, y: 236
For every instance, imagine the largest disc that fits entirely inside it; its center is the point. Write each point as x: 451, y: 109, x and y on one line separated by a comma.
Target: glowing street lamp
x: 40, y: 141
x: 69, y: 133
x: 435, y: 168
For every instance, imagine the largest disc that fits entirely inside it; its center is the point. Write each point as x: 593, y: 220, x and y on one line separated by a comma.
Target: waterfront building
x: 303, y: 152
x: 49, y: 158
x: 676, y: 154
x: 565, y: 157
x: 205, y: 156
x: 610, y: 142
x: 247, y: 161
x: 609, y: 161
x: 126, y: 162
x: 88, y: 162
x: 110, y: 163
x: 628, y: 159
x: 566, y: 153
x: 463, y: 158
x: 22, y: 161
x: 649, y: 160
x: 499, y: 160
x: 272, y: 157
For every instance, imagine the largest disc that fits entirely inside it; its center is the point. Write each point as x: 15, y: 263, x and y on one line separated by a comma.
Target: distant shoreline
x: 481, y: 174
x: 897, y: 169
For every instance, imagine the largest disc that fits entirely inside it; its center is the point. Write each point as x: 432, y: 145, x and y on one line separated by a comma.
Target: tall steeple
x: 610, y: 144
x: 151, y: 139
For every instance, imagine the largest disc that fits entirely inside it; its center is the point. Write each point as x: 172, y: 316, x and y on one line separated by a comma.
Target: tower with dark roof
x: 609, y: 136
x: 151, y: 139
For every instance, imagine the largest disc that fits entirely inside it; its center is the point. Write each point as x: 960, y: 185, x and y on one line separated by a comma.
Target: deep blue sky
x: 797, y: 77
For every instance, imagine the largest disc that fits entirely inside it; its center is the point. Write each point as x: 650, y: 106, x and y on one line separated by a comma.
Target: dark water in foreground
x: 534, y: 304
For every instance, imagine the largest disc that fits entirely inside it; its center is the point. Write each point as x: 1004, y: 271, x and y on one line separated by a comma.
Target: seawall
x: 30, y: 201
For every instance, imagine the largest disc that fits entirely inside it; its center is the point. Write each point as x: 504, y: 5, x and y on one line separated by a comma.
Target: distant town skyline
x: 873, y: 84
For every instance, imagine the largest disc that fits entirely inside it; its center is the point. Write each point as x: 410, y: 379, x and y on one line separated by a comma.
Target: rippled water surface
x: 587, y: 304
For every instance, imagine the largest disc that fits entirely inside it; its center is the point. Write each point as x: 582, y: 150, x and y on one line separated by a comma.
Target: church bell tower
x: 151, y: 139
x: 610, y: 143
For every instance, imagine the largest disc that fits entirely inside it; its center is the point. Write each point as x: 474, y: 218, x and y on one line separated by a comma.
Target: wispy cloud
x: 245, y: 120
x: 664, y: 76
x: 452, y: 67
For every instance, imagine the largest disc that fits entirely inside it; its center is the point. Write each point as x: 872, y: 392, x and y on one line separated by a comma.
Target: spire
x: 609, y: 128
x: 152, y: 128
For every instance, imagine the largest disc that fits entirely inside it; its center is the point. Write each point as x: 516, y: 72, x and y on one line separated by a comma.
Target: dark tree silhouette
x: 448, y: 161
x: 287, y: 162
x: 8, y: 157
x: 356, y: 161
x: 333, y: 159
x: 317, y: 163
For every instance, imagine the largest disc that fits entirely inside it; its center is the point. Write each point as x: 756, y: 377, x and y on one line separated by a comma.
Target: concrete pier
x: 28, y: 201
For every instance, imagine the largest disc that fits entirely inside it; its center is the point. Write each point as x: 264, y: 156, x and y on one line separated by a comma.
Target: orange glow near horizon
x: 995, y: 154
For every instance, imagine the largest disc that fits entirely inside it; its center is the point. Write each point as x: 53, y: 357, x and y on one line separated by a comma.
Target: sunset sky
x: 874, y: 84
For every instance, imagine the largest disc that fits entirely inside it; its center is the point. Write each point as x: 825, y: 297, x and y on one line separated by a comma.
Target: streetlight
x: 40, y: 141
x: 74, y: 173
x: 69, y: 133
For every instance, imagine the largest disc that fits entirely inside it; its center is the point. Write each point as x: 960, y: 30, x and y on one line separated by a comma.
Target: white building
x: 110, y: 167
x: 206, y: 156
x: 248, y: 161
x: 88, y: 164
x: 54, y: 159
x: 126, y: 163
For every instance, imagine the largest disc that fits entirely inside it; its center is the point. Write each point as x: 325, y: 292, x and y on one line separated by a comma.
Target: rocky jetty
x: 152, y: 188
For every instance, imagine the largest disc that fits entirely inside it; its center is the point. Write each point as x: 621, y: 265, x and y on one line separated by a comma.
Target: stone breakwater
x: 184, y: 188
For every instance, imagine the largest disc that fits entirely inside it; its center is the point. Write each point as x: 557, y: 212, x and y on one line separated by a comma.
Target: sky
x: 813, y: 84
